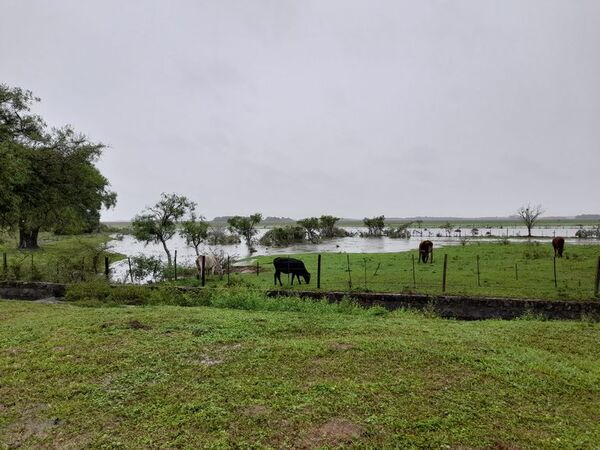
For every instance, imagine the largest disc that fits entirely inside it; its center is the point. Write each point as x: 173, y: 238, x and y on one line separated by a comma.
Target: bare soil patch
x: 335, y: 431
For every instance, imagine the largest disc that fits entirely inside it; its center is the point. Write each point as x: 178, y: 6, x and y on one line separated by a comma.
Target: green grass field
x: 393, y: 272
x: 58, y: 257
x: 175, y: 377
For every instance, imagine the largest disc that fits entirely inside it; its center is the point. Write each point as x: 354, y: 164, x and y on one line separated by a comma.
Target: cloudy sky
x: 297, y: 108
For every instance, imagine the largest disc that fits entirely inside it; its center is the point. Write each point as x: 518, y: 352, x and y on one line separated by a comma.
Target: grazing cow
x: 559, y: 245
x: 212, y: 265
x: 290, y: 265
x: 425, y: 249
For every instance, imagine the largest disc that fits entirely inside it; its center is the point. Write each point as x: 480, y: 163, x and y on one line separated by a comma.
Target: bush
x: 283, y: 236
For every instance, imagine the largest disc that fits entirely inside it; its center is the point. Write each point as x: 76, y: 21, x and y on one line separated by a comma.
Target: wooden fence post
x: 349, y: 275
x: 4, y: 262
x: 414, y: 275
x: 257, y: 268
x: 203, y: 270
x: 444, y: 275
x: 319, y: 271
x: 597, y: 286
x: 175, y: 265
x: 106, y: 268
x: 227, y: 270
x: 478, y: 273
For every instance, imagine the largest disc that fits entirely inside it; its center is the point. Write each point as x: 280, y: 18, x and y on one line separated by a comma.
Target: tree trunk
x: 167, y: 252
x: 28, y: 238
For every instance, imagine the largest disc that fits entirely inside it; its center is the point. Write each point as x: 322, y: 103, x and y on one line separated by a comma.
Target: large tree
x: 158, y: 223
x: 530, y: 215
x: 48, y: 178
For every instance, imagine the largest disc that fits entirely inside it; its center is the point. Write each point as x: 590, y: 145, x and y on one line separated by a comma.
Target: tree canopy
x: 245, y: 226
x: 158, y: 223
x: 48, y: 177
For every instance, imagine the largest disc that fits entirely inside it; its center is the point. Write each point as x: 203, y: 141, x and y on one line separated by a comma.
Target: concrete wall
x: 466, y: 308
x: 20, y: 290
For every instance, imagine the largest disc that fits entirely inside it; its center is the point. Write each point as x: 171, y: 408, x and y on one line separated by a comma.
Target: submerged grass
x: 313, y: 375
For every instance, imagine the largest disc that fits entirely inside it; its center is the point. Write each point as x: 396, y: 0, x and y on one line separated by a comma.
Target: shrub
x: 283, y: 236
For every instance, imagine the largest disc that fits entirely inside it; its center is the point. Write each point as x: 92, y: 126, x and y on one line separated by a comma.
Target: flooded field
x: 355, y: 244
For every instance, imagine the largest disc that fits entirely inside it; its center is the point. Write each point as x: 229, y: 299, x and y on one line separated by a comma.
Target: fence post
x: 32, y: 265
x: 4, y: 262
x: 130, y: 271
x: 227, y: 270
x: 106, y: 268
x: 349, y: 276
x: 203, y: 270
x: 82, y: 268
x: 257, y: 268
x: 554, y: 263
x: 444, y: 275
x: 175, y: 265
x: 319, y: 271
x: 414, y: 276
x: 478, y: 273
x: 597, y: 286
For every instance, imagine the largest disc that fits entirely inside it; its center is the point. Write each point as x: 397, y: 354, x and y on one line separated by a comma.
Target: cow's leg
x: 293, y: 275
x: 276, y: 276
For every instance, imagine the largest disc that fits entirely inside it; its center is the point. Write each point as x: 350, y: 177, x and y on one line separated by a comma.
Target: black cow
x: 559, y: 245
x: 290, y: 265
x: 425, y: 249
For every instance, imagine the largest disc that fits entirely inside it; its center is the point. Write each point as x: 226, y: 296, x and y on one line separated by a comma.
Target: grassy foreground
x: 166, y: 376
x: 522, y: 270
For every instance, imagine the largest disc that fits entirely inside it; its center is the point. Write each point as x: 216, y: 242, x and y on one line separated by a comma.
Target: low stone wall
x: 465, y: 308
x: 20, y: 290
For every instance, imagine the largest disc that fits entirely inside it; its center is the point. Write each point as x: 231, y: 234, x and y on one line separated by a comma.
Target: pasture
x: 523, y: 270
x: 166, y: 376
x: 59, y: 258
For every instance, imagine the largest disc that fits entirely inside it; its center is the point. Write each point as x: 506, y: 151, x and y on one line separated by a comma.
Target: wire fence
x: 484, y: 275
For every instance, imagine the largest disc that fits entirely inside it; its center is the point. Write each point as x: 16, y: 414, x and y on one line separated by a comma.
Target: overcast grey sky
x: 297, y: 108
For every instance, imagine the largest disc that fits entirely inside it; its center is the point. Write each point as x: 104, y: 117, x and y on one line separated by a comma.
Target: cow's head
x: 307, y: 277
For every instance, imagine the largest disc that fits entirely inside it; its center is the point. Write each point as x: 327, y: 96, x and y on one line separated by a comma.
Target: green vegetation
x: 245, y: 226
x: 60, y: 258
x: 49, y: 181
x: 283, y: 236
x: 166, y: 377
x: 158, y: 223
x: 500, y: 265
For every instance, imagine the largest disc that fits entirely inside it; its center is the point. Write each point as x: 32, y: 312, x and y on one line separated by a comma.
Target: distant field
x: 175, y: 377
x: 506, y: 270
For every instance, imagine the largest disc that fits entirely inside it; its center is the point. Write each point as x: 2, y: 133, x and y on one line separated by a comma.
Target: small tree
x: 327, y: 226
x: 159, y: 222
x: 375, y: 225
x: 530, y: 215
x: 245, y: 226
x: 447, y: 227
x: 311, y: 226
x: 194, y: 231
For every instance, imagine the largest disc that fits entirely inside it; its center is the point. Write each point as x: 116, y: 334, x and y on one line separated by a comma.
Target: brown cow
x: 425, y: 249
x: 559, y: 245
